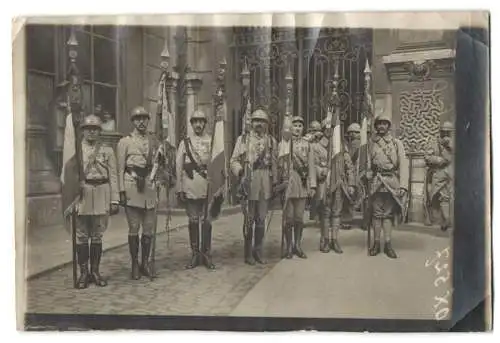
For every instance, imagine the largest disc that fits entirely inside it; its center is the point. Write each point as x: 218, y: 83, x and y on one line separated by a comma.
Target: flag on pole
x: 70, y: 173
x: 216, y: 170
x: 366, y: 119
x: 337, y: 149
x: 286, y: 136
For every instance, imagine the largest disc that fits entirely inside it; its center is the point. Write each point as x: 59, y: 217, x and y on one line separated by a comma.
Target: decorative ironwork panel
x: 310, y: 55
x: 420, y: 118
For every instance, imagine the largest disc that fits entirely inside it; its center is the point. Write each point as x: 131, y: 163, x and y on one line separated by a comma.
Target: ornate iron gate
x: 309, y: 55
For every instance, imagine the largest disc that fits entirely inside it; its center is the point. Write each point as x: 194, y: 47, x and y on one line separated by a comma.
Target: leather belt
x: 97, y: 182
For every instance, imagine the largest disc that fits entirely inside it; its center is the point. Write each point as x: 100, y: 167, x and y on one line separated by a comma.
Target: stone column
x: 421, y: 81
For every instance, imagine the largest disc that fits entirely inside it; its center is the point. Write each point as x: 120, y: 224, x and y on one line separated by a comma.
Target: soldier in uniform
x: 193, y: 156
x: 314, y: 138
x: 137, y: 193
x: 336, y: 197
x: 320, y: 149
x: 99, y: 199
x: 440, y: 174
x: 301, y: 185
x: 353, y: 140
x: 388, y: 184
x: 260, y: 152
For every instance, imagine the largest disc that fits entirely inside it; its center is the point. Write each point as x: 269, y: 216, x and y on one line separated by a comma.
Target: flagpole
x: 246, y: 110
x: 219, y: 106
x: 76, y: 110
x: 367, y: 114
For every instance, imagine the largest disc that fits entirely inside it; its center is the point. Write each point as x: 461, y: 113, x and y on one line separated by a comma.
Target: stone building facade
x: 412, y: 81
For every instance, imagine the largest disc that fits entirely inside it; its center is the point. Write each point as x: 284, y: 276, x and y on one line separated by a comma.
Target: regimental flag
x: 168, y: 124
x: 366, y: 119
x: 70, y: 175
x: 216, y: 169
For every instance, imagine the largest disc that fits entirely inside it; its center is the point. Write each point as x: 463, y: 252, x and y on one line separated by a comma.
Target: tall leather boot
x: 288, y: 253
x: 248, y: 245
x: 377, y: 230
x: 387, y: 227
x: 82, y: 251
x: 194, y: 242
x: 335, y: 242
x: 133, y: 246
x: 259, y: 239
x: 207, y: 245
x: 323, y: 242
x: 145, y: 251
x: 298, y: 230
x: 95, y: 260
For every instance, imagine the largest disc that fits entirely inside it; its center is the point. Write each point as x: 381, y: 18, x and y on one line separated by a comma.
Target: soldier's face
x: 382, y: 127
x: 91, y: 133
x: 198, y: 126
x: 297, y: 129
x: 141, y: 123
x: 259, y: 125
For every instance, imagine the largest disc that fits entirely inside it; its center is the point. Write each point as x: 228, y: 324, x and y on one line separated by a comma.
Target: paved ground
x: 353, y: 285
x: 176, y: 291
x: 324, y: 285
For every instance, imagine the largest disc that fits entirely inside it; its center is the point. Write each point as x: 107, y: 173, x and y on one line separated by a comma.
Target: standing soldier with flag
x: 258, y: 149
x: 99, y: 199
x: 137, y: 191
x: 388, y: 184
x: 301, y: 185
x: 193, y: 156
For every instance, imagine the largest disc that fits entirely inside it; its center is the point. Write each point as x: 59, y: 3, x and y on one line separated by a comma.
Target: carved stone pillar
x: 43, y: 186
x: 422, y: 98
x: 193, y: 85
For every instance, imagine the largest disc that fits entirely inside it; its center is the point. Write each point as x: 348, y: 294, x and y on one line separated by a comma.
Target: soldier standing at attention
x: 388, y: 183
x: 315, y: 137
x: 193, y: 156
x: 137, y: 193
x: 353, y: 138
x: 259, y: 181
x: 99, y: 199
x: 320, y: 149
x: 301, y: 185
x: 440, y: 175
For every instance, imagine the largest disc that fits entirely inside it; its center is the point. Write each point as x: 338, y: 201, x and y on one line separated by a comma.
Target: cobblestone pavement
x: 176, y: 291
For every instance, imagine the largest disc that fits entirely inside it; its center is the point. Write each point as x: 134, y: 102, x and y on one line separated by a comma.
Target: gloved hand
x: 181, y: 197
x: 311, y: 192
x: 351, y: 190
x: 114, y: 209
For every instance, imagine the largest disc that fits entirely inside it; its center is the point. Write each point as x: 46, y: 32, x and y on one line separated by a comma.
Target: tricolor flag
x: 216, y: 169
x: 335, y: 176
x: 70, y: 167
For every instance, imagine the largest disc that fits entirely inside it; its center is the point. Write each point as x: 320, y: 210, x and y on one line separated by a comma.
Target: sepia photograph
x: 285, y: 168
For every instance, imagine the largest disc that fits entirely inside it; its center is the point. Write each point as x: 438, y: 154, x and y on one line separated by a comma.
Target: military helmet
x: 260, y: 115
x: 198, y: 115
x: 298, y: 119
x: 139, y: 111
x: 354, y: 127
x: 447, y: 126
x: 91, y: 121
x: 314, y: 126
x: 383, y: 117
